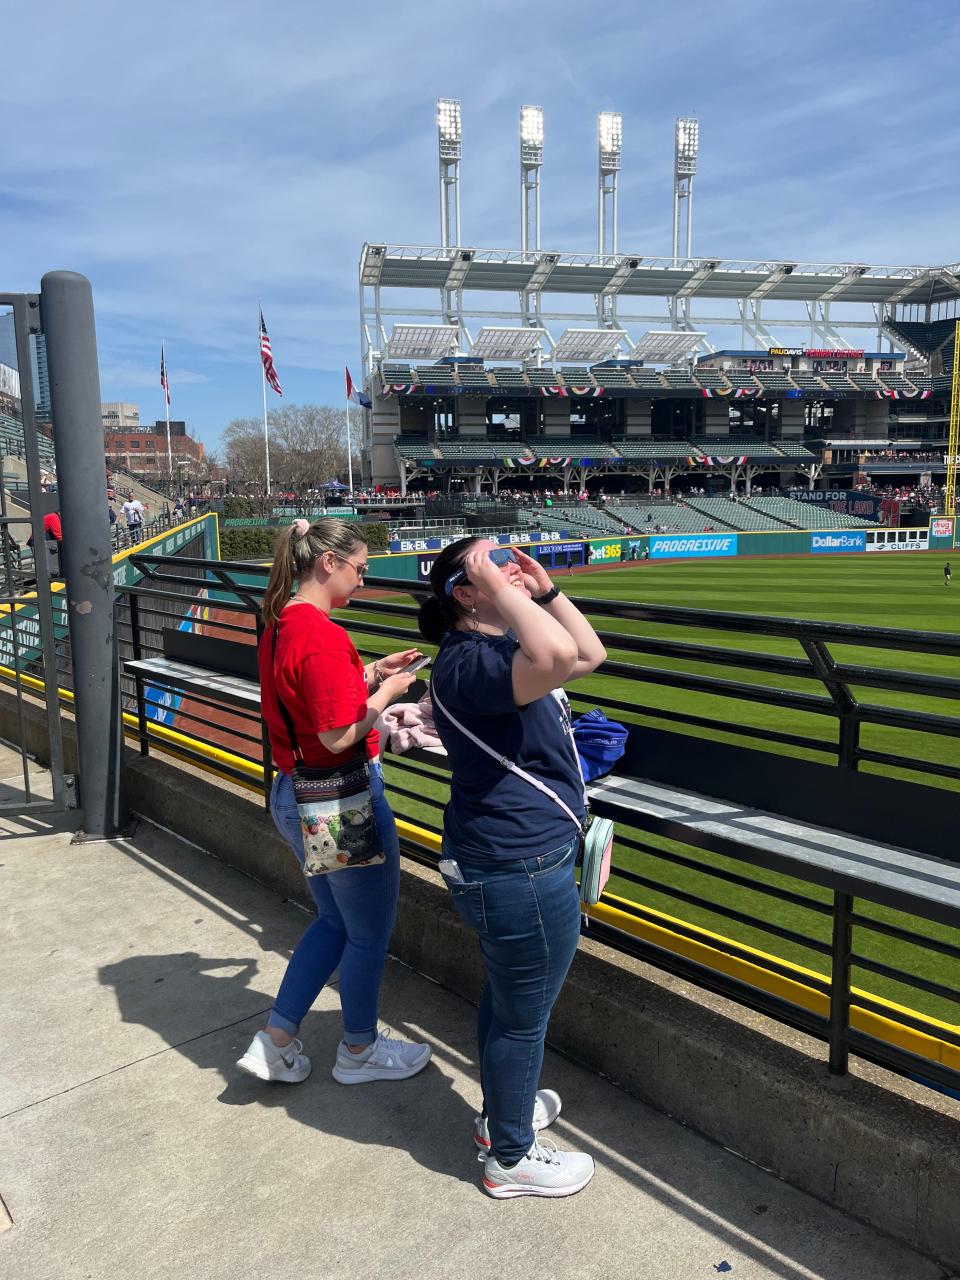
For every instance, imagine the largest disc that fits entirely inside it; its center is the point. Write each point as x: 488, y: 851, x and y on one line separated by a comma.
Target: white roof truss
x: 666, y: 346
x: 422, y: 341
x: 496, y: 343
x: 588, y: 344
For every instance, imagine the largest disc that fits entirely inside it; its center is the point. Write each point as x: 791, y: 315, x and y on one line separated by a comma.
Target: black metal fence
x: 861, y: 698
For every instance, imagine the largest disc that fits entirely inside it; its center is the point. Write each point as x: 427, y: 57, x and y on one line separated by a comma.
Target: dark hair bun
x: 432, y: 620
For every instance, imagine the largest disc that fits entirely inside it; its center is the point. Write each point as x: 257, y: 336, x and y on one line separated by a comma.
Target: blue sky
x: 192, y: 158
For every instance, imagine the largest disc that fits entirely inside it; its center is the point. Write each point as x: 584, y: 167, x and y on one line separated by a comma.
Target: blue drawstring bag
x: 600, y: 743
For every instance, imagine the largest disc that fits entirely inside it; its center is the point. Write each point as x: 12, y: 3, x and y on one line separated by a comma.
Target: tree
x: 307, y: 447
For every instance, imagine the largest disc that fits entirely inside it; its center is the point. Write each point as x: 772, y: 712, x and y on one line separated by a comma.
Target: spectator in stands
x: 508, y: 642
x: 133, y: 514
x: 312, y: 679
x: 178, y: 509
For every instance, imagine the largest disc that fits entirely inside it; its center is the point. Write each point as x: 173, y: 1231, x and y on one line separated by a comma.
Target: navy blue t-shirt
x: 492, y: 813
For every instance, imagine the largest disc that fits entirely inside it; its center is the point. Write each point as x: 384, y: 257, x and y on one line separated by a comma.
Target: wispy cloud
x: 190, y: 177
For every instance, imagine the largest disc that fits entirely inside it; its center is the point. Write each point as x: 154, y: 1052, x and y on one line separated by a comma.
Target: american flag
x: 164, y: 380
x: 266, y: 355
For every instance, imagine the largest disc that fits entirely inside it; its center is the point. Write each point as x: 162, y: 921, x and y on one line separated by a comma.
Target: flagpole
x: 349, y: 453
x: 166, y: 403
x: 266, y: 433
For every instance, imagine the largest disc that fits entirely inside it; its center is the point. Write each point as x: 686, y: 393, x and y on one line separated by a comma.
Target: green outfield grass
x: 903, y: 590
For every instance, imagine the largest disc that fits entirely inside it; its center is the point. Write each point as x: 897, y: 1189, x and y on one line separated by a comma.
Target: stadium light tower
x: 686, y: 148
x: 610, y: 145
x: 531, y: 158
x: 449, y: 137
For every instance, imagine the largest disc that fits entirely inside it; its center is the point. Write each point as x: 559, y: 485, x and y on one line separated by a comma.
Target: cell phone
x: 414, y: 666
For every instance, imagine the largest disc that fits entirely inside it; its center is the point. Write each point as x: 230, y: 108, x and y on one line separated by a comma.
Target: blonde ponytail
x: 295, y: 554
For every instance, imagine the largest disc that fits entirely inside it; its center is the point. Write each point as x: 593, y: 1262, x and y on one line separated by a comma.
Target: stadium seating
x: 474, y: 378
x: 414, y: 450
x: 591, y: 518
x: 793, y: 449
x: 544, y: 378
x: 864, y: 381
x: 742, y: 379
x: 678, y: 378
x: 836, y: 381
x: 897, y: 382
x: 731, y: 446
x: 673, y: 518
x: 921, y: 381
x: 774, y: 380
x: 807, y: 381
x: 922, y: 337
x: 612, y: 377
x: 570, y: 446
x: 576, y: 375
x: 647, y: 378
x: 398, y: 373
x: 434, y: 375
x: 507, y: 377
x: 652, y: 449
x: 808, y: 515
x: 710, y: 378
x: 724, y: 513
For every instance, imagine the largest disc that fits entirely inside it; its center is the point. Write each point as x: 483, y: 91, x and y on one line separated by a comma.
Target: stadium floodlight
x: 668, y: 346
x: 502, y: 343
x: 686, y: 150
x: 449, y: 126
x: 610, y: 147
x: 587, y: 344
x: 610, y: 138
x: 422, y: 341
x: 687, y: 145
x: 531, y: 135
x: 449, y: 131
x: 371, y: 263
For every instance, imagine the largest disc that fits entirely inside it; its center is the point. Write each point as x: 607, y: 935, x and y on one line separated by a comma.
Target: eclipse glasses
x: 499, y: 555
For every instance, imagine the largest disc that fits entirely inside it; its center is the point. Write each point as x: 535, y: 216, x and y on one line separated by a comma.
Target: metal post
x: 840, y: 983
x: 66, y: 310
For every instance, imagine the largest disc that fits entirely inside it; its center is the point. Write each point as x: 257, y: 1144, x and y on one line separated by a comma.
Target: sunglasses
x: 499, y: 555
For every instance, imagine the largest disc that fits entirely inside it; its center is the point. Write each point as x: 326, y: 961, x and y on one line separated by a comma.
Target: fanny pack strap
x: 514, y: 768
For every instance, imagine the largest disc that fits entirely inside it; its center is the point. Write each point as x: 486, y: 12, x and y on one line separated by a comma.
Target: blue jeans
x: 526, y: 915
x: 356, y: 908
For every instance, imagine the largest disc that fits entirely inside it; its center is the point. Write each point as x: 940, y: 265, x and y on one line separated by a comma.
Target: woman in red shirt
x: 332, y: 699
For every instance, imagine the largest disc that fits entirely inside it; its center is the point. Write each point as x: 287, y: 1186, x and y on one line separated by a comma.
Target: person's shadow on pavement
x: 205, y: 1008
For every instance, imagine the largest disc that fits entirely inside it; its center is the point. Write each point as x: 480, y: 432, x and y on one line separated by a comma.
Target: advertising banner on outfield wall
x: 682, y: 546
x: 522, y: 538
x: 899, y: 540
x: 942, y: 527
x: 838, y: 541
x: 605, y: 551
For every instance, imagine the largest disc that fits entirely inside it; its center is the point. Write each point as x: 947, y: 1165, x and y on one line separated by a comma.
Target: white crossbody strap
x: 515, y: 768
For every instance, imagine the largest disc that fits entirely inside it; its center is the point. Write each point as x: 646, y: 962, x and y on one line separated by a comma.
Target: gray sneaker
x: 543, y: 1171
x: 386, y: 1059
x: 545, y: 1111
x: 266, y: 1061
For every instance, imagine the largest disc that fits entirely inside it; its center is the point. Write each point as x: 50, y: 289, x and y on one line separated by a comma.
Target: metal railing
x: 879, y: 982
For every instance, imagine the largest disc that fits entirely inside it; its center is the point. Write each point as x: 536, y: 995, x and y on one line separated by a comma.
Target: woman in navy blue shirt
x: 508, y: 642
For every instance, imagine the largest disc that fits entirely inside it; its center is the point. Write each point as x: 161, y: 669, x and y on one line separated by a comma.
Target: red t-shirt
x: 320, y: 679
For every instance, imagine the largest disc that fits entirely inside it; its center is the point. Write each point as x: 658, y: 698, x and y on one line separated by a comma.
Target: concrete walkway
x: 133, y: 975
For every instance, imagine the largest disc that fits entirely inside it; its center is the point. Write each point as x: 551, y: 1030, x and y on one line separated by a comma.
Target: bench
x: 870, y: 842
x: 208, y: 667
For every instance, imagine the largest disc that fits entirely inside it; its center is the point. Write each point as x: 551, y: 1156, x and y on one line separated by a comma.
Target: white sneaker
x: 266, y: 1061
x: 545, y: 1111
x: 543, y: 1171
x: 386, y: 1059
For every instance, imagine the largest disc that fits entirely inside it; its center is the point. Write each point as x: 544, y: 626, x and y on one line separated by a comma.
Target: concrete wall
x: 716, y: 418
x: 877, y: 1147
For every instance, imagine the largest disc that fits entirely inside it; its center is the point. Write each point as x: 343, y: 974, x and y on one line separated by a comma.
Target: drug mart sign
x: 686, y: 546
